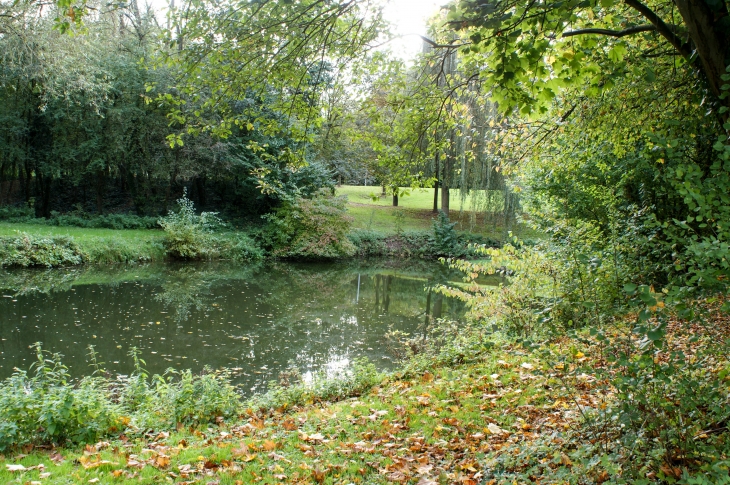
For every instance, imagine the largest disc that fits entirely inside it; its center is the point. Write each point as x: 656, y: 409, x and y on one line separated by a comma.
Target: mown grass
x: 80, y: 233
x: 417, y: 198
x: 102, y: 246
x: 414, y: 212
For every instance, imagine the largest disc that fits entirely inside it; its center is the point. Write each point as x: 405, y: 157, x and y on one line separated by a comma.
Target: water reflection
x: 256, y: 320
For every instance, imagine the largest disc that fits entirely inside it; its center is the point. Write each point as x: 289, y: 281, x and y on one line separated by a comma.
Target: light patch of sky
x: 408, y: 20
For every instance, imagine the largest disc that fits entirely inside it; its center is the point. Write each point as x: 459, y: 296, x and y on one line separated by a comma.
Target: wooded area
x: 593, y: 351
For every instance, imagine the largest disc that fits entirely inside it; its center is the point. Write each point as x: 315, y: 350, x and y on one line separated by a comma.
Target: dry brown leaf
x: 289, y: 425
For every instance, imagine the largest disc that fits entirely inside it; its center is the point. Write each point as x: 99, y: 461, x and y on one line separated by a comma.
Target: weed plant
x: 44, y: 406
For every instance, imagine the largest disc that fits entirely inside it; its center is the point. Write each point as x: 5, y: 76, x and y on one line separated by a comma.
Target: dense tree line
x: 118, y: 120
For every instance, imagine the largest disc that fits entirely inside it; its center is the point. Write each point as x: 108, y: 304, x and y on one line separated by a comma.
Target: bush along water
x: 187, y: 234
x: 441, y: 241
x: 43, y: 406
x: 27, y: 250
x: 309, y: 228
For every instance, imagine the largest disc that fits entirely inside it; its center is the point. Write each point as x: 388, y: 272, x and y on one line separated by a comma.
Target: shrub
x: 240, y: 248
x: 313, y: 228
x: 188, y: 235
x: 79, y: 218
x: 368, y: 243
x: 45, y: 408
x: 445, y: 239
x: 108, y: 221
x: 27, y: 250
x: 16, y: 213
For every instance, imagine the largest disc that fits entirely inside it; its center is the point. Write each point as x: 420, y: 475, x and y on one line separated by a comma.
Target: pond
x: 256, y: 320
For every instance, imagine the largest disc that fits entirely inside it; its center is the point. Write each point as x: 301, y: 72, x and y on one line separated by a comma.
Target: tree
x: 237, y: 52
x: 533, y: 49
x: 615, y: 124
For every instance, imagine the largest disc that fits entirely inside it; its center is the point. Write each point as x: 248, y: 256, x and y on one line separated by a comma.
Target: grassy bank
x: 304, y: 230
x: 441, y: 425
x: 40, y: 245
x: 479, y: 410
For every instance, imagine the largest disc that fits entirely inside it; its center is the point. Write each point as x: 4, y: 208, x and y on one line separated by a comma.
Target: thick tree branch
x: 612, y: 33
x: 661, y: 27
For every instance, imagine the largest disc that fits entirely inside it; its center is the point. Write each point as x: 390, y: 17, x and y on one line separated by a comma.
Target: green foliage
x: 46, y: 407
x: 313, y: 228
x: 291, y: 79
x: 188, y: 235
x: 240, y: 248
x: 368, y: 243
x: 445, y: 239
x: 27, y: 250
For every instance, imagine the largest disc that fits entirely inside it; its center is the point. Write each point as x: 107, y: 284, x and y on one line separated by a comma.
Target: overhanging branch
x: 661, y: 27
x: 612, y: 33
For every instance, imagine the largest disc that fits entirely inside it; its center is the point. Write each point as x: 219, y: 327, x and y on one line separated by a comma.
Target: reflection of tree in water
x: 27, y: 282
x: 185, y: 288
x: 184, y: 291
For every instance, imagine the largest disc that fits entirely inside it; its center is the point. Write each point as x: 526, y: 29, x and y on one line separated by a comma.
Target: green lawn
x: 419, y: 198
x: 414, y: 212
x: 79, y: 233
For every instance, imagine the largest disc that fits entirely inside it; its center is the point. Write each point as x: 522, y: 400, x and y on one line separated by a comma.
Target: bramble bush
x: 313, y: 228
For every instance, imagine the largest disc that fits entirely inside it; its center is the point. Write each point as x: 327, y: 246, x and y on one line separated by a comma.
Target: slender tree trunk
x: 438, y: 305
x: 436, y: 184
x: 27, y: 181
x: 395, y: 197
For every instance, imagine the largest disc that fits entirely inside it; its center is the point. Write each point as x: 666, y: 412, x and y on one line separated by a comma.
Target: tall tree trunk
x: 446, y: 174
x: 395, y: 197
x: 27, y: 181
x: 708, y: 29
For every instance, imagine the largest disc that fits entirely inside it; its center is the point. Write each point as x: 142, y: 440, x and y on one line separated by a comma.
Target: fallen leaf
x: 289, y: 425
x: 15, y: 468
x: 494, y: 429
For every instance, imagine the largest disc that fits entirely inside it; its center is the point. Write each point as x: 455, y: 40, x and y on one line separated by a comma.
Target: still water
x: 257, y: 320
